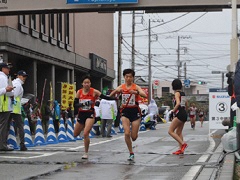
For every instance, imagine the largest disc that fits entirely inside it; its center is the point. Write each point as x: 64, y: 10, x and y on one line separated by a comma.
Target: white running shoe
x: 85, y: 156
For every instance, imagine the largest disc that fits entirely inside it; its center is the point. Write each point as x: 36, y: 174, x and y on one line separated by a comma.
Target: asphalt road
x: 108, y: 158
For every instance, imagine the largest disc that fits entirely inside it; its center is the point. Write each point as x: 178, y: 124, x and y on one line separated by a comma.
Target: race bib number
x: 193, y: 112
x: 86, y: 104
x: 125, y: 98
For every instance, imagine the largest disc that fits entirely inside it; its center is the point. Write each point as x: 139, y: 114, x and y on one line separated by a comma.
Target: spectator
x: 108, y: 111
x: 6, y: 92
x: 97, y: 118
x: 56, y: 116
x: 70, y: 112
x: 151, y: 119
x: 16, y: 113
x: 47, y: 115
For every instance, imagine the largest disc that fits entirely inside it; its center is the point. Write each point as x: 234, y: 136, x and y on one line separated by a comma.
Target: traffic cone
x: 51, y: 136
x: 78, y: 137
x: 62, y: 137
x: 142, y: 126
x: 27, y: 134
x: 39, y: 137
x: 113, y: 132
x: 70, y: 130
x: 121, y: 130
x: 12, y: 141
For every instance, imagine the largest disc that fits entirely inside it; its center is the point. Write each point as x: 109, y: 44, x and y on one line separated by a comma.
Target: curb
x: 227, y: 170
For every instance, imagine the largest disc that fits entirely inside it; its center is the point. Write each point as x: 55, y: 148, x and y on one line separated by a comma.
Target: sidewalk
x: 216, y: 169
x: 219, y: 166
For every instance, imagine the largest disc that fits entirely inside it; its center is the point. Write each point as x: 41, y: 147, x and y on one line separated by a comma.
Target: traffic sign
x: 156, y: 84
x: 187, y: 83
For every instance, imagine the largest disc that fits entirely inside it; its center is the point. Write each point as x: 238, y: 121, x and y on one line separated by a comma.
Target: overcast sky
x: 204, y: 44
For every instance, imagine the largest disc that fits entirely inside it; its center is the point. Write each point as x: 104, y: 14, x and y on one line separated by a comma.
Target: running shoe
x: 178, y: 152
x: 131, y: 157
x: 184, y: 146
x: 85, y: 156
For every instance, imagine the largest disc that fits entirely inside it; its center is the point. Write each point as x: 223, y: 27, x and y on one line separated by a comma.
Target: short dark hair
x: 128, y: 71
x: 176, y: 84
x: 85, y: 77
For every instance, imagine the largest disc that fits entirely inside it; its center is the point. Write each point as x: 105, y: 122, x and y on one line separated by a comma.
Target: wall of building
x: 56, y: 58
x: 94, y: 33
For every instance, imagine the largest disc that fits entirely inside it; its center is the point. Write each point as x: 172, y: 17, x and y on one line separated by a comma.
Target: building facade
x: 59, y: 48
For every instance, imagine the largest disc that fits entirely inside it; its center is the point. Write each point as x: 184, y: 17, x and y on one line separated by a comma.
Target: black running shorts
x: 132, y: 114
x: 83, y: 116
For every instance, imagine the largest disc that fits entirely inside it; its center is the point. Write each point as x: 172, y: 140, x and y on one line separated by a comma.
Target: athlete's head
x: 86, y: 82
x: 128, y: 71
x: 176, y: 84
x: 128, y: 75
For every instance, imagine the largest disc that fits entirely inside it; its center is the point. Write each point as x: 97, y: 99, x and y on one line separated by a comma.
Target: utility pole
x: 178, y: 57
x: 185, y: 75
x: 119, y: 48
x: 133, y: 40
x: 234, y: 40
x: 149, y: 63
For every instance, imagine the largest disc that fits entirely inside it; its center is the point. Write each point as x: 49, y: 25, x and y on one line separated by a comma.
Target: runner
x: 193, y: 112
x: 130, y: 111
x: 84, y: 102
x: 201, y: 116
x: 179, y: 110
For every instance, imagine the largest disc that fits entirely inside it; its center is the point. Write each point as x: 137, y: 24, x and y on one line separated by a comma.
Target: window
x: 22, y: 19
x: 33, y: 26
x: 43, y: 33
x: 43, y: 23
x: 66, y: 18
x: 33, y: 23
x: 22, y: 25
x: 52, y: 39
x: 51, y: 25
x: 60, y: 29
x: 165, y: 91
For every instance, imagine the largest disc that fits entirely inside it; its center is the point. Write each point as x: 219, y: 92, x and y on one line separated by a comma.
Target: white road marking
x: 195, y: 169
x: 101, y: 142
x: 30, y: 157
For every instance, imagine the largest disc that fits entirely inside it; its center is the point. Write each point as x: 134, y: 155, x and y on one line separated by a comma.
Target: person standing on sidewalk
x: 179, y: 111
x: 16, y: 113
x: 130, y: 110
x: 108, y: 111
x: 6, y: 92
x: 84, y: 102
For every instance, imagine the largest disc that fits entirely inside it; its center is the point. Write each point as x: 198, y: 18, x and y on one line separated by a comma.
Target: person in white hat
x: 6, y: 92
x: 16, y: 113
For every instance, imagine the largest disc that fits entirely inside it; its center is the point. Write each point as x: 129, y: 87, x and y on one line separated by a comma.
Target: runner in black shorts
x: 179, y: 110
x: 130, y: 111
x: 84, y: 102
x: 132, y: 114
x: 82, y: 117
